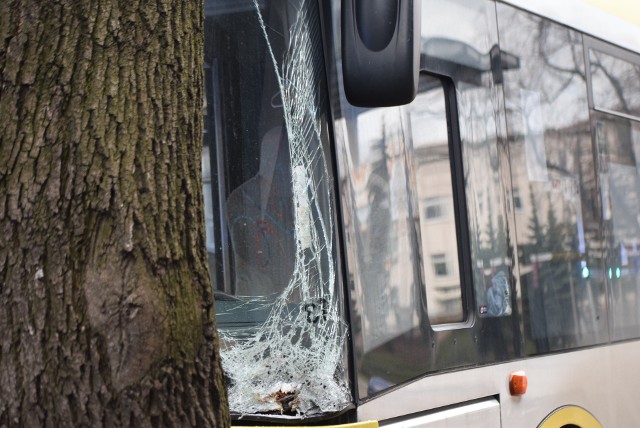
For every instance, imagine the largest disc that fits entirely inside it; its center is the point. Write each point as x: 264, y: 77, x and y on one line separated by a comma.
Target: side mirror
x: 380, y: 51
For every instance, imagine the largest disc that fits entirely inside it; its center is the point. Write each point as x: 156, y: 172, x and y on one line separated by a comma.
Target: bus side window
x: 618, y: 141
x: 552, y: 168
x: 432, y: 159
x: 615, y: 86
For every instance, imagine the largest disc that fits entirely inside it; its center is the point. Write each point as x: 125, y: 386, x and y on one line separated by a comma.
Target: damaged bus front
x: 409, y: 204
x: 269, y: 191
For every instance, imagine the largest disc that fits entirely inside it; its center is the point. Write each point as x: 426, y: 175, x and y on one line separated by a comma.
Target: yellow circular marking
x: 570, y: 415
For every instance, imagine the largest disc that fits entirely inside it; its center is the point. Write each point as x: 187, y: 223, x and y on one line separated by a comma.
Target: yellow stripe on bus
x: 627, y: 10
x: 570, y: 415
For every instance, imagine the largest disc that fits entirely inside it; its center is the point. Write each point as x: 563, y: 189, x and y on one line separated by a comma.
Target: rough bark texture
x: 106, y: 316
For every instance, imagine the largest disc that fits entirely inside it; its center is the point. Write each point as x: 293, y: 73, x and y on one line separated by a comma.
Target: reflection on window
x: 384, y: 185
x: 618, y: 143
x: 436, y: 208
x: 517, y: 201
x: 553, y: 179
x: 480, y: 203
x: 433, y: 175
x: 439, y: 262
x: 615, y: 83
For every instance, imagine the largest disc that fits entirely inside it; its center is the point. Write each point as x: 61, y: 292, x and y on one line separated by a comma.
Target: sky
x: 628, y: 10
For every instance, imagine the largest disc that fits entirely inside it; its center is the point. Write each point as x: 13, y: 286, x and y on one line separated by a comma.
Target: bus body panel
x: 596, y: 379
x: 479, y: 414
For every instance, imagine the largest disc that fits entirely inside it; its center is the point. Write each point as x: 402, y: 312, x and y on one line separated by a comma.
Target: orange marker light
x: 518, y: 383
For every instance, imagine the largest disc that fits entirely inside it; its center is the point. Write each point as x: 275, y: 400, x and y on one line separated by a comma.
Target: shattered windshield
x: 269, y: 209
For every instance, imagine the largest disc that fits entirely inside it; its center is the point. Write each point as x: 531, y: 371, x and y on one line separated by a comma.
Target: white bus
x: 462, y: 251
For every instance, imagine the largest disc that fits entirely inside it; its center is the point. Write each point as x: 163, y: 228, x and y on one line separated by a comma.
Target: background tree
x: 107, y: 311
x: 537, y: 236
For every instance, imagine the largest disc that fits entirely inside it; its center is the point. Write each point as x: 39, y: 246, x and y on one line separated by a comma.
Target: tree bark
x: 106, y: 313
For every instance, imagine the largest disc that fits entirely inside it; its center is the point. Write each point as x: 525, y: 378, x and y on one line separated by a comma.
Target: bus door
x: 428, y: 246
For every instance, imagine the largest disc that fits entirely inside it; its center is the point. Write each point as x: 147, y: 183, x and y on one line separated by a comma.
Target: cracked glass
x: 269, y: 209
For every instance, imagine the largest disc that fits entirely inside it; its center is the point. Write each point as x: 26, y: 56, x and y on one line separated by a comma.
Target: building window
x: 440, y: 267
x: 435, y: 208
x: 517, y: 200
x: 432, y: 155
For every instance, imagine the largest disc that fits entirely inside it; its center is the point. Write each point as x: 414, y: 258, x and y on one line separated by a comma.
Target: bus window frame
x: 460, y: 212
x: 591, y: 43
x: 596, y: 114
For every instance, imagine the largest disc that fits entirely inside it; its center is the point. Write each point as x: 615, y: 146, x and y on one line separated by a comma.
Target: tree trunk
x: 106, y: 313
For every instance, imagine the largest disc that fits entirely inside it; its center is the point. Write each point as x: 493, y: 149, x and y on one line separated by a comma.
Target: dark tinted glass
x: 553, y: 176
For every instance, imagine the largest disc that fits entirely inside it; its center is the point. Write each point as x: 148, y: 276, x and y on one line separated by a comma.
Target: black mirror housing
x: 380, y: 51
